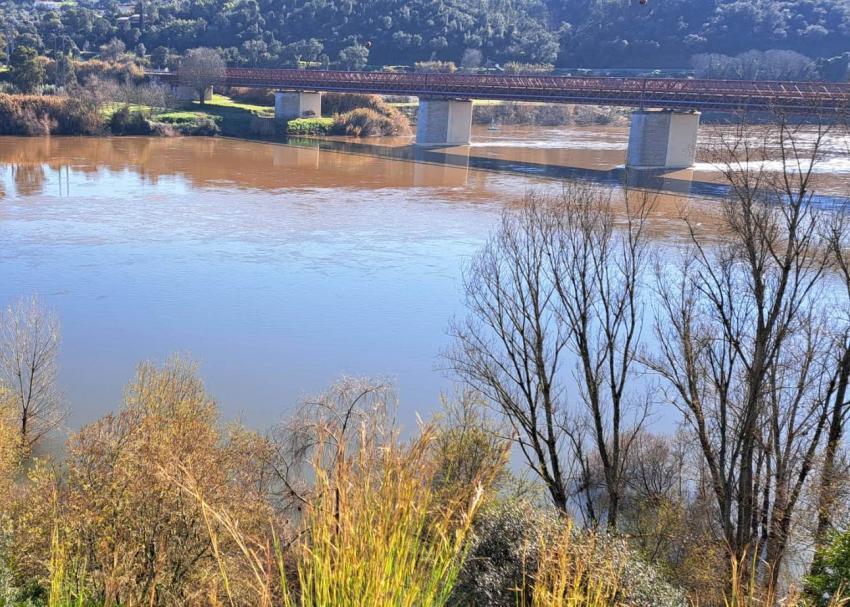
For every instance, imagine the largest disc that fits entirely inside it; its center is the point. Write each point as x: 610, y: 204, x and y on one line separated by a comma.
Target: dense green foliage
x: 352, y: 33
x: 669, y: 32
x: 831, y: 570
x: 310, y: 126
x: 26, y: 69
x: 127, y: 122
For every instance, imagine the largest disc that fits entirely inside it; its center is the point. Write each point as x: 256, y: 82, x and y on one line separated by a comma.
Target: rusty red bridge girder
x: 686, y: 94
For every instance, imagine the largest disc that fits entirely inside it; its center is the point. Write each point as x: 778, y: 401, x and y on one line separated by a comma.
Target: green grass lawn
x: 184, y: 117
x: 232, y: 117
x: 310, y: 126
x: 110, y: 108
x: 227, y: 102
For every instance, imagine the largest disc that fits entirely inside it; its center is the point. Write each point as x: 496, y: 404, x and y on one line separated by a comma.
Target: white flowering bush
x: 641, y: 584
x: 502, y: 554
x: 506, y: 549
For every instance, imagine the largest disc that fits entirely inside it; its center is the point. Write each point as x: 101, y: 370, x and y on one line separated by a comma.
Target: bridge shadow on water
x: 653, y: 180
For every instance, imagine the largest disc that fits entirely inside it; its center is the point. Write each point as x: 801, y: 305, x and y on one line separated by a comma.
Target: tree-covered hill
x: 668, y: 32
x: 574, y: 33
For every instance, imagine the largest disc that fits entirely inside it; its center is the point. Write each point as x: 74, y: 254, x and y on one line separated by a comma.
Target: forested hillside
x: 574, y: 33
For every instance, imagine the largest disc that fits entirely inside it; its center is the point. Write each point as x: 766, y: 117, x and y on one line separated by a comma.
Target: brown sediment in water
x: 224, y: 163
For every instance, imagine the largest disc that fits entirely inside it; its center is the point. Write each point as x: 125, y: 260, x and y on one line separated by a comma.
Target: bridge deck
x: 791, y: 97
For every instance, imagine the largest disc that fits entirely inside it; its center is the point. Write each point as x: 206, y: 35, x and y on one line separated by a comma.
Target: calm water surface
x: 278, y: 268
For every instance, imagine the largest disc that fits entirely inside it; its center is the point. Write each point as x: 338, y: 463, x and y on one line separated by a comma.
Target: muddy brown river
x: 278, y: 268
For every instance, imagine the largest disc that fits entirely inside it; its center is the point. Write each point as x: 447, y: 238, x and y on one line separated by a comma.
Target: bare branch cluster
x: 750, y: 345
x: 29, y: 345
x: 746, y: 338
x: 562, y: 276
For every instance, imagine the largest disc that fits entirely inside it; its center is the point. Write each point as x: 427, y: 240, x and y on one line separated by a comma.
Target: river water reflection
x: 278, y: 268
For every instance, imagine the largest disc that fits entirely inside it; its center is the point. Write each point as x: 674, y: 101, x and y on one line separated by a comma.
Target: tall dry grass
x: 67, y: 573
x: 364, y: 115
x: 378, y: 532
x: 47, y: 115
x: 10, y: 454
x: 377, y: 527
x: 572, y: 571
x: 746, y: 588
x: 125, y: 70
x: 366, y: 122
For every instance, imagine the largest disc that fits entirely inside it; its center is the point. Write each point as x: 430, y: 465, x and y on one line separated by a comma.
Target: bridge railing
x: 800, y: 97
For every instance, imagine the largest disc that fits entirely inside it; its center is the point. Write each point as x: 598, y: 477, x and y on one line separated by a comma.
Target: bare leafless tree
x: 560, y: 277
x: 326, y: 428
x: 200, y: 69
x: 152, y: 96
x: 29, y: 344
x: 839, y: 410
x: 512, y: 345
x: 597, y: 268
x: 100, y: 92
x: 742, y: 341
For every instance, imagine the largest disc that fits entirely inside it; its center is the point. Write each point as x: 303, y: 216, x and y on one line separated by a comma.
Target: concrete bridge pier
x: 297, y: 104
x: 662, y: 139
x: 188, y: 93
x: 444, y: 122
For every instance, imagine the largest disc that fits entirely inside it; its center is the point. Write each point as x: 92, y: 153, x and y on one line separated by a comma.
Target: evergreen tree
x: 26, y: 69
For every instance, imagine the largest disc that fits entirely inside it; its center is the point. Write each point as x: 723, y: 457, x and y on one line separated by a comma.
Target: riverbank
x: 248, y: 115
x: 34, y: 115
x: 251, y: 117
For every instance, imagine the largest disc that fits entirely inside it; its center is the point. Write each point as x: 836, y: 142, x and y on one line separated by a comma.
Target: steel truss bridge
x: 810, y: 98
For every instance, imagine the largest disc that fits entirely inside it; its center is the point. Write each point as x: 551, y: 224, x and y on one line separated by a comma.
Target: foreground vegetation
x: 158, y: 504
x: 161, y: 504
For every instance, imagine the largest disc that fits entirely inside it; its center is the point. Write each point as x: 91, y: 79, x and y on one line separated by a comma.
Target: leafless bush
x: 119, y: 510
x: 330, y: 422
x: 29, y: 345
x: 756, y: 65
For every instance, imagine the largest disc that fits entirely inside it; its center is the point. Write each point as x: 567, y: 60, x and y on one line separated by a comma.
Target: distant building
x: 47, y: 5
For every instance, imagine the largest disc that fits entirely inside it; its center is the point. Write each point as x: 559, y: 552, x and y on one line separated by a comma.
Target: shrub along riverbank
x: 34, y: 115
x: 354, y: 115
